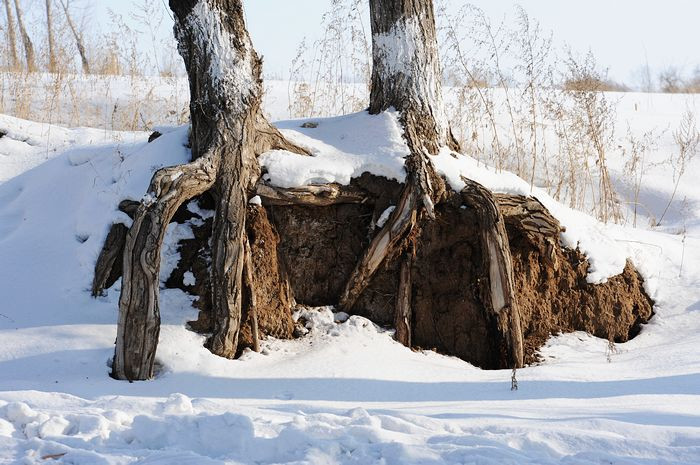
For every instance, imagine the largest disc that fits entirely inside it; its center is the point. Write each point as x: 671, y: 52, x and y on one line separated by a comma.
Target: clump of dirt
x: 304, y: 256
x: 560, y: 300
x: 273, y: 294
x: 320, y: 247
x: 447, y: 276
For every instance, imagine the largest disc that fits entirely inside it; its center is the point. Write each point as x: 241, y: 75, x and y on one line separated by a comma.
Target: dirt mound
x: 321, y: 245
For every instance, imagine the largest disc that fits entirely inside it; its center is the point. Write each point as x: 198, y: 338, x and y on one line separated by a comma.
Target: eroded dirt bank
x: 304, y: 256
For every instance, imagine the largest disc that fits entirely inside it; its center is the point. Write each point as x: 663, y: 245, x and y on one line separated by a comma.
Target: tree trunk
x: 403, y: 302
x: 11, y: 38
x: 228, y: 133
x: 28, y: 46
x: 78, y: 39
x: 406, y: 76
x: 52, y: 44
x: 406, y: 72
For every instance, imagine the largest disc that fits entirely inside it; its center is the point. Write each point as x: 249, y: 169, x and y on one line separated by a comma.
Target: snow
x: 343, y: 148
x: 384, y: 217
x: 346, y: 392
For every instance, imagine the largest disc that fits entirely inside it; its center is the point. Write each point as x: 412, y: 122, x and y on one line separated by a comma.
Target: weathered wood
x: 139, y: 313
x: 538, y: 225
x: 500, y: 298
x: 319, y: 195
x: 403, y: 302
x: 108, y: 268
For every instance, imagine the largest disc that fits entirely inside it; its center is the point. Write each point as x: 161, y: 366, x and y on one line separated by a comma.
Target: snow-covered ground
x: 345, y: 393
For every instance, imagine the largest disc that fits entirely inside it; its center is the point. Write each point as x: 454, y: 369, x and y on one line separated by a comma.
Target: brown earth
x: 316, y: 248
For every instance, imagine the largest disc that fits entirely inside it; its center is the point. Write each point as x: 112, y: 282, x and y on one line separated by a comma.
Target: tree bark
x: 50, y: 36
x: 28, y: 46
x: 406, y: 72
x: 11, y: 38
x: 78, y: 39
x: 406, y: 76
x: 228, y: 133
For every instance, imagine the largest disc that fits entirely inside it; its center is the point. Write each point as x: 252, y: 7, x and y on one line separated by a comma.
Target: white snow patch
x: 188, y: 279
x: 385, y: 216
x: 342, y: 148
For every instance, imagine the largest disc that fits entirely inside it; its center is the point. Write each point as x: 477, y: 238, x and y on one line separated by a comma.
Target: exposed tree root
x: 139, y: 313
x: 501, y: 299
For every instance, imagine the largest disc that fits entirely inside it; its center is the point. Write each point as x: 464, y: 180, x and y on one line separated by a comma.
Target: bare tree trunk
x: 52, y: 44
x: 28, y: 46
x: 228, y: 133
x: 11, y: 38
x: 78, y: 39
x: 406, y: 72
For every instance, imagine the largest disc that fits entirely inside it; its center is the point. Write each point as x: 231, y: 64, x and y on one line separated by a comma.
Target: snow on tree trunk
x: 406, y: 71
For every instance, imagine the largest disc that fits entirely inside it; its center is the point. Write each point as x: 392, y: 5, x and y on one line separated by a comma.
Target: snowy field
x: 346, y: 393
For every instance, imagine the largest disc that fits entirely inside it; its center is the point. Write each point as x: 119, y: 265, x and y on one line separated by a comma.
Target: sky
x: 623, y: 34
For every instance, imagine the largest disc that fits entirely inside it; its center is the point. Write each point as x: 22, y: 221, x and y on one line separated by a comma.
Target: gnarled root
x: 499, y: 297
x: 139, y: 314
x: 423, y: 188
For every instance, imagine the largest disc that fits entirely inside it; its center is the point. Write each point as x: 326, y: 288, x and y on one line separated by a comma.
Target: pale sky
x: 623, y: 34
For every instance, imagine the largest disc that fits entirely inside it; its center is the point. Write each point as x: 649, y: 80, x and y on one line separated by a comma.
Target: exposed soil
x: 304, y: 255
x: 447, y: 276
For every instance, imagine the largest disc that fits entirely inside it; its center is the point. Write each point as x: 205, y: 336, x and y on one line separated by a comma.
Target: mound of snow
x: 344, y: 393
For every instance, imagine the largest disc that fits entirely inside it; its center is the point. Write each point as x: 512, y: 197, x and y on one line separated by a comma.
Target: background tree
x: 50, y: 36
x: 26, y: 40
x: 11, y: 38
x: 78, y: 38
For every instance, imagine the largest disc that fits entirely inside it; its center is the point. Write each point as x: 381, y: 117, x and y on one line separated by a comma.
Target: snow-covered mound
x: 346, y: 392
